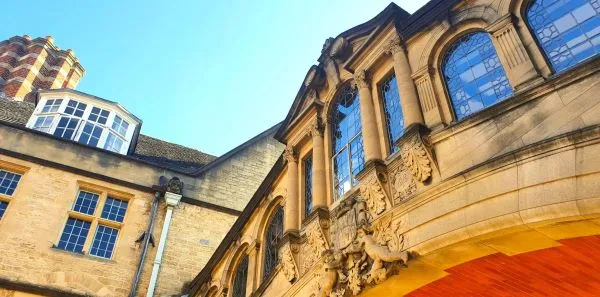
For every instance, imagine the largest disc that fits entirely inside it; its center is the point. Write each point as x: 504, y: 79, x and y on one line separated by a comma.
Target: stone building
x: 81, y: 187
x: 454, y: 151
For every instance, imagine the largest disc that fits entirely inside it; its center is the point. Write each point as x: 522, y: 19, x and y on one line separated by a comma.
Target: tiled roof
x: 148, y: 149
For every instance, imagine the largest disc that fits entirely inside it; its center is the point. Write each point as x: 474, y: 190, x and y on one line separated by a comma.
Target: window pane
x: 98, y: 115
x: 272, y: 238
x: 74, y: 235
x: 473, y: 74
x: 86, y: 202
x: 393, y: 111
x: 113, y: 143
x: 114, y: 209
x: 52, y: 105
x: 308, y: 195
x: 104, y: 242
x: 8, y: 182
x: 43, y: 124
x: 3, y: 206
x: 567, y: 30
x: 66, y: 127
x: 241, y: 278
x: 91, y: 134
x: 346, y: 128
x: 75, y: 108
x: 120, y: 125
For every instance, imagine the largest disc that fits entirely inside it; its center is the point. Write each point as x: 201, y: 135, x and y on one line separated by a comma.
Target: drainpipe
x: 172, y: 200
x: 147, y: 239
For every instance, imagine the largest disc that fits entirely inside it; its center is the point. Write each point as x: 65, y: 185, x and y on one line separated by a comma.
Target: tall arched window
x: 272, y: 238
x: 241, y: 278
x: 393, y: 111
x: 567, y: 30
x: 474, y: 76
x: 348, y: 154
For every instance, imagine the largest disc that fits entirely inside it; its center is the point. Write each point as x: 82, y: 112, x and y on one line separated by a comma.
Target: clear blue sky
x: 204, y: 74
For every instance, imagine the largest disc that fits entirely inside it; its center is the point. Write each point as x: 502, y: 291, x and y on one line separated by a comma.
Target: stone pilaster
x: 367, y: 116
x: 318, y: 166
x: 291, y: 220
x: 515, y: 59
x: 406, y: 87
x: 429, y: 104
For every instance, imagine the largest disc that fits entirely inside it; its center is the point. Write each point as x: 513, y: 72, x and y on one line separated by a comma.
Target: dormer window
x: 86, y: 119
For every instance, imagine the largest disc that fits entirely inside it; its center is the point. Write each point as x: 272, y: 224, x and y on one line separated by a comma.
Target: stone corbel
x: 416, y: 154
x: 518, y: 65
x: 314, y: 243
x: 288, y: 262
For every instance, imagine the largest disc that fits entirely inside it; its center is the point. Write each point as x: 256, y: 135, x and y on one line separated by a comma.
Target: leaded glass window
x: 348, y: 154
x: 74, y: 235
x: 104, y: 242
x: 567, y: 30
x: 8, y: 182
x: 241, y: 278
x: 393, y: 111
x: 308, y: 194
x: 272, y: 238
x: 473, y: 74
x: 3, y: 206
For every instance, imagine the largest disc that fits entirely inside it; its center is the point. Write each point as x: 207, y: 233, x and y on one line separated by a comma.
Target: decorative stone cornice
x: 290, y: 155
x: 361, y: 79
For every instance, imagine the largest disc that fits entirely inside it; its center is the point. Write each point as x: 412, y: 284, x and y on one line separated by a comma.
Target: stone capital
x: 290, y: 154
x: 316, y: 128
x: 361, y: 78
x: 393, y: 46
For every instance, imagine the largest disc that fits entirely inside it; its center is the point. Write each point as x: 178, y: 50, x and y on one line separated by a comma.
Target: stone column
x: 367, y: 117
x: 515, y: 59
x: 318, y: 166
x: 291, y: 216
x: 406, y: 87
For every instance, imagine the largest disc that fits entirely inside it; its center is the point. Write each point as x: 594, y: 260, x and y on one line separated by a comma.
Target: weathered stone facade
x: 518, y: 176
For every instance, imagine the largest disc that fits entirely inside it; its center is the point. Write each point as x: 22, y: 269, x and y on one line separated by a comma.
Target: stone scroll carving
x: 313, y: 248
x: 374, y: 195
x: 288, y: 265
x: 403, y: 184
x: 363, y: 254
x: 414, y: 157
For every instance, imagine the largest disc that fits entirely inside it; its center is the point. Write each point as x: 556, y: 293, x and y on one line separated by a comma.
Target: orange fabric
x: 572, y: 269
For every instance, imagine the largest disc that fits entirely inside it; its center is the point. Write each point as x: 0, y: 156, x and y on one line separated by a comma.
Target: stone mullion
x: 515, y: 59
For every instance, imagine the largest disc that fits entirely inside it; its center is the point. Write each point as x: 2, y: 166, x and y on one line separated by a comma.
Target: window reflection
x: 474, y: 76
x: 567, y: 30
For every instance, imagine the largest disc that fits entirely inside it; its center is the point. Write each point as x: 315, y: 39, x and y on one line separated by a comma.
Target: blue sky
x: 204, y: 74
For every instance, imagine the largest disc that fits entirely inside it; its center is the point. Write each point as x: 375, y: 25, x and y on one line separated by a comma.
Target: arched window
x: 393, y: 111
x: 567, y: 30
x: 272, y: 237
x: 241, y: 278
x: 474, y: 76
x: 348, y: 154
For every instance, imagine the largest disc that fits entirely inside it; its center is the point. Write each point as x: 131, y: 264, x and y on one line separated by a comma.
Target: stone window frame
x: 95, y: 218
x: 15, y: 169
x: 303, y: 176
x: 381, y: 115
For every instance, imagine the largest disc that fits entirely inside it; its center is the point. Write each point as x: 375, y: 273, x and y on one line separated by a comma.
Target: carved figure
x: 378, y: 254
x: 175, y: 186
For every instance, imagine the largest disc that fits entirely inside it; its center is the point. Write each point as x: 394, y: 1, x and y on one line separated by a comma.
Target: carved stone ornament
x: 373, y: 194
x: 363, y: 255
x: 403, y: 184
x: 416, y: 159
x: 316, y: 128
x: 361, y: 79
x: 288, y: 265
x: 289, y: 154
x: 313, y: 248
x: 393, y: 45
x: 339, y: 48
x: 175, y: 186
x: 314, y: 77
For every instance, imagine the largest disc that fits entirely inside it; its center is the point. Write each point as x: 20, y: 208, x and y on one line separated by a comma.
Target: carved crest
x: 403, y: 184
x: 344, y: 227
